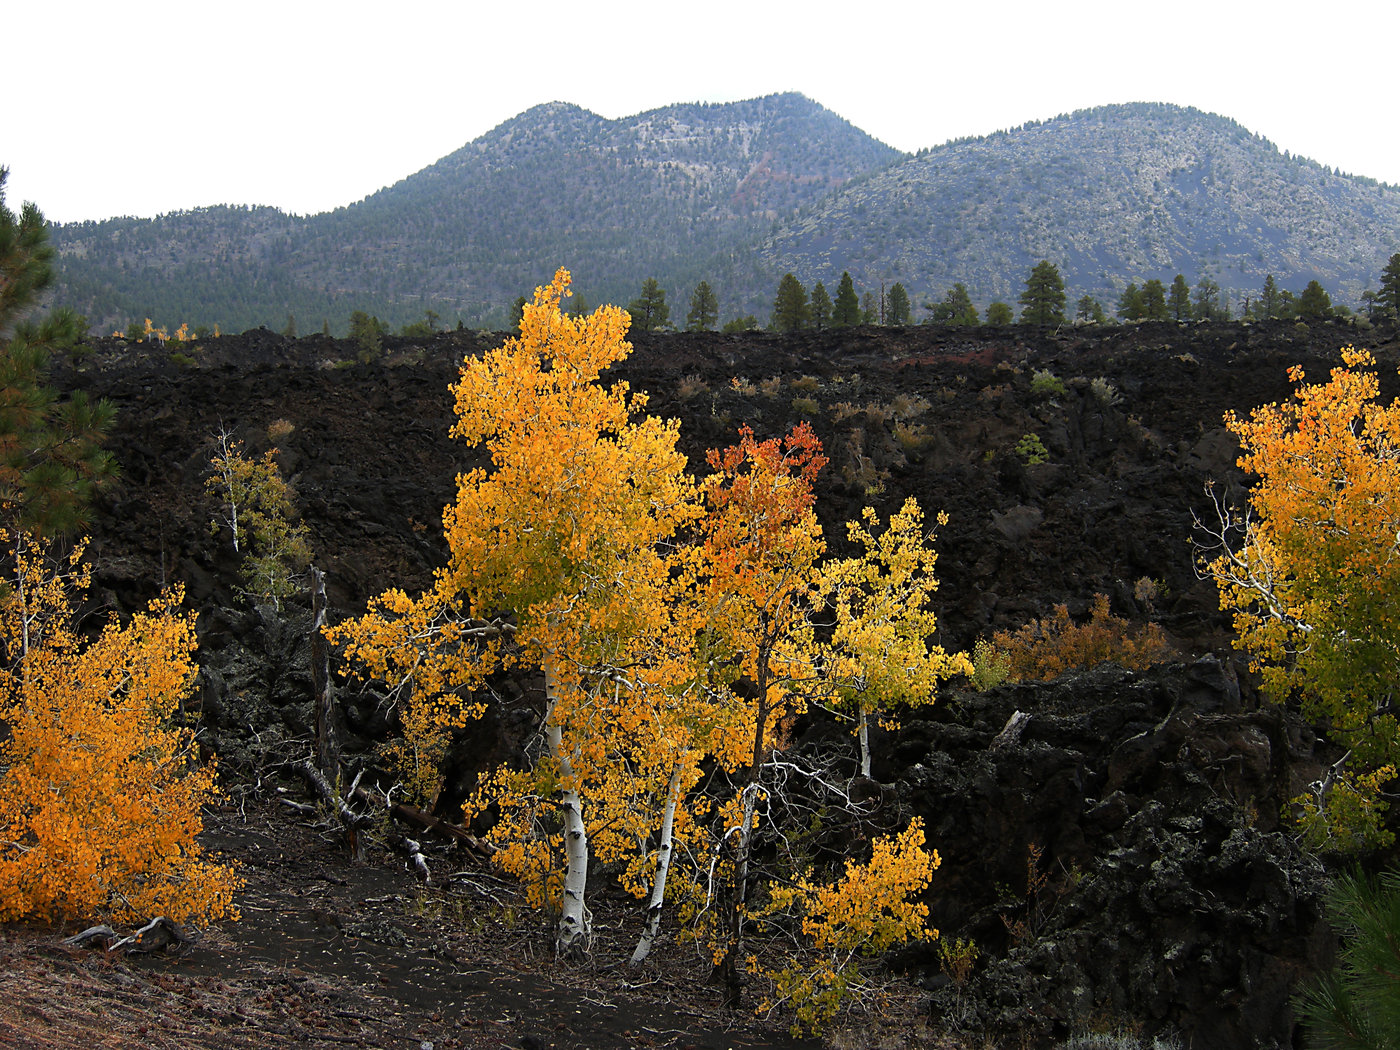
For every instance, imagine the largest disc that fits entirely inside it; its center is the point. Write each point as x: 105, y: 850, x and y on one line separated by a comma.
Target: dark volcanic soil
x: 932, y: 412
x: 1178, y: 901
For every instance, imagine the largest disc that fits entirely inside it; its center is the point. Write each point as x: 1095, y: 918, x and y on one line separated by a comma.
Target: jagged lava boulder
x: 1113, y: 841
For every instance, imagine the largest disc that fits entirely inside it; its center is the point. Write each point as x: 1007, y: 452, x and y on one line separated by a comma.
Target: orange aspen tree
x: 565, y: 534
x: 760, y: 545
x: 101, y: 796
x: 1310, y: 570
x: 879, y: 655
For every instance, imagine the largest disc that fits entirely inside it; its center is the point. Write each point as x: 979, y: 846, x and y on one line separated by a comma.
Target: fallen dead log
x: 350, y: 820
x: 157, y: 935
x: 411, y: 814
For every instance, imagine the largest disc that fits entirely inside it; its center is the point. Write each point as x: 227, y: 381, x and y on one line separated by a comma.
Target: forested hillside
x: 659, y: 194
x: 737, y: 195
x: 1111, y: 195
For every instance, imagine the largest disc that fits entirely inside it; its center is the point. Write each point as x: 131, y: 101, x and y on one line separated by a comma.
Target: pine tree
x: 790, y: 310
x: 899, y: 308
x: 846, y: 310
x: 1314, y: 303
x: 1179, y: 301
x: 704, y: 309
x: 821, y: 307
x: 1270, y: 302
x: 51, y: 456
x: 1210, y: 304
x: 1358, y: 1003
x: 1388, y: 298
x: 999, y: 313
x: 956, y: 308
x: 1130, y: 304
x: 1043, y: 301
x: 649, y: 311
x: 1089, y: 310
x: 1154, y: 301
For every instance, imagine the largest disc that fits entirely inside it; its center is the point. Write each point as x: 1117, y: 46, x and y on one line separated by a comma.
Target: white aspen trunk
x: 574, y: 926
x: 663, y: 868
x: 864, y: 742
x: 227, y: 473
x: 741, y: 855
x: 327, y: 730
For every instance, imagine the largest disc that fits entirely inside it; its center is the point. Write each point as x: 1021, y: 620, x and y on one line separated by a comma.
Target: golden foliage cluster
x: 100, y: 801
x: 673, y: 622
x: 1312, y: 584
x: 1047, y: 648
x: 873, y: 907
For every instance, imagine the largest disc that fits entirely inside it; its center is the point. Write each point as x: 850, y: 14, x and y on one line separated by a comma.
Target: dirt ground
x: 330, y: 953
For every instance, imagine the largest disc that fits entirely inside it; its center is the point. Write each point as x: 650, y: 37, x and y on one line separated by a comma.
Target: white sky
x: 147, y: 106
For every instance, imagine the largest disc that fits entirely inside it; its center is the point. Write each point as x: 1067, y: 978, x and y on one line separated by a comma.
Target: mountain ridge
x: 739, y: 193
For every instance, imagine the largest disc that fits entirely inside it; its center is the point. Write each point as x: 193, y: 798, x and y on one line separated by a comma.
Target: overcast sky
x: 146, y: 106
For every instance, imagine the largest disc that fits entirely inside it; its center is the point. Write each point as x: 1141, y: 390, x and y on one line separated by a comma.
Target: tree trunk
x: 864, y: 741
x: 663, y: 867
x: 327, y: 729
x: 729, y: 967
x: 574, y: 925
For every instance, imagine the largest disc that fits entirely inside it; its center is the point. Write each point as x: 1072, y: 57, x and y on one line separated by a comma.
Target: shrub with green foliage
x: 990, y: 666
x: 1044, y: 383
x: 1031, y: 449
x: 259, y: 513
x: 1357, y: 1005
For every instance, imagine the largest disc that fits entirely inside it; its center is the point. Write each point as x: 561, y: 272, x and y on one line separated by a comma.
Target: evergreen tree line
x: 1044, y: 301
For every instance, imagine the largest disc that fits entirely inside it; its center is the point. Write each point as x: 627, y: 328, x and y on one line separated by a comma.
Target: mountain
x: 737, y: 194
x: 1110, y: 195
x: 657, y: 194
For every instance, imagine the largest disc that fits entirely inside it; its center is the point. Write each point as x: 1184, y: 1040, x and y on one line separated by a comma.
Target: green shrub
x: 990, y: 666
x: 1031, y: 449
x: 1045, y: 383
x: 1105, y: 393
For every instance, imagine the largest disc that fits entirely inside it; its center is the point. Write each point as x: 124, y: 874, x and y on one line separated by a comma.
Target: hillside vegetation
x: 737, y: 195
x: 1111, y: 195
x: 662, y: 193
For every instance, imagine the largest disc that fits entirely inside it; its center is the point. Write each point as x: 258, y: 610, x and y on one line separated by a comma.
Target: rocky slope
x: 1119, y: 857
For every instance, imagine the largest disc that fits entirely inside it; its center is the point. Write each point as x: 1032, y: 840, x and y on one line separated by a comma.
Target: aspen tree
x: 1310, y: 570
x: 101, y: 796
x: 760, y: 546
x: 879, y: 655
x: 564, y: 533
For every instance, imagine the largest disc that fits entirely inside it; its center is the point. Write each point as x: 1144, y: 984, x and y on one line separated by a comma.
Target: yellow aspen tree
x: 260, y: 513
x: 871, y: 908
x: 565, y: 534
x: 101, y: 796
x: 1310, y: 570
x: 669, y: 735
x: 879, y: 655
